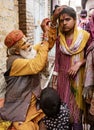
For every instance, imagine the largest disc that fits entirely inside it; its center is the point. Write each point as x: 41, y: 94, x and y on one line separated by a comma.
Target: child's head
x: 50, y: 102
x: 83, y: 13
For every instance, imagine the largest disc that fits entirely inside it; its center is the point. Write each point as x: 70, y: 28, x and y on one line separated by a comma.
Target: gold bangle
x: 45, y: 38
x: 52, y: 25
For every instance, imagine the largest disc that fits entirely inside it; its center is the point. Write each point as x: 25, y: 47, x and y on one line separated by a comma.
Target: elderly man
x: 24, y: 63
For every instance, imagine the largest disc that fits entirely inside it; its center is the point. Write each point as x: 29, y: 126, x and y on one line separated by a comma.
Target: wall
x: 89, y: 4
x: 8, y: 17
x: 31, y: 13
x: 30, y: 20
x: 8, y: 22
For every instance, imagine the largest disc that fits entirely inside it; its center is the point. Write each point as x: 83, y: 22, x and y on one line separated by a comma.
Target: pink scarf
x: 91, y: 24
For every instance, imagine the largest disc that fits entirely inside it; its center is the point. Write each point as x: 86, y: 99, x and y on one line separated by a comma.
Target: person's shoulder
x: 90, y: 48
x: 64, y: 106
x: 64, y: 110
x: 84, y: 32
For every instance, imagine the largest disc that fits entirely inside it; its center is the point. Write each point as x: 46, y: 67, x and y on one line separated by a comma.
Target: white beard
x: 28, y: 54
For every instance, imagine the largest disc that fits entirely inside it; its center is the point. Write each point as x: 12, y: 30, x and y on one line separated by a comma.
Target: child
x: 57, y: 113
x: 83, y: 19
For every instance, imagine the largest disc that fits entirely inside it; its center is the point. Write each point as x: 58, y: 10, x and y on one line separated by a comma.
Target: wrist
x: 44, y: 37
x: 53, y: 25
x: 81, y: 63
x: 54, y: 21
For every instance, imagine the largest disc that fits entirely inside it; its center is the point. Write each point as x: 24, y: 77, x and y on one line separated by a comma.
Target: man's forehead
x: 21, y: 41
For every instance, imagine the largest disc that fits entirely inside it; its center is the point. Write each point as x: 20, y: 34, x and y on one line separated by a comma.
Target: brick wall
x: 17, y: 14
x: 26, y: 20
x: 30, y: 20
x: 22, y: 15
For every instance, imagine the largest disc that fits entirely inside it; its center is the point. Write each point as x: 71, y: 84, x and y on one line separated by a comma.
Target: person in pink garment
x: 68, y: 74
x: 88, y: 90
x: 83, y: 19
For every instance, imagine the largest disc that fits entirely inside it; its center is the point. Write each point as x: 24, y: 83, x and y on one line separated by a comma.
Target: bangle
x: 52, y: 25
x: 45, y: 38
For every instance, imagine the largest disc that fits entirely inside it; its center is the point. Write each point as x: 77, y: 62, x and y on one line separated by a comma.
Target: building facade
x: 87, y: 4
x: 25, y: 15
x: 8, y: 21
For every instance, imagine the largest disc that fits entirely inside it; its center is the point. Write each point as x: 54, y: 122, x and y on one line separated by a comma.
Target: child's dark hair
x: 50, y: 102
x: 83, y: 13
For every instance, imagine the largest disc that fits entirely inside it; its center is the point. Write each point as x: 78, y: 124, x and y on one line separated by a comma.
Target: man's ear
x: 17, y: 49
x: 17, y: 52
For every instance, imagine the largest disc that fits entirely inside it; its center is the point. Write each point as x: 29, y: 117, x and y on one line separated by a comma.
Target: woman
x: 89, y: 74
x: 69, y: 61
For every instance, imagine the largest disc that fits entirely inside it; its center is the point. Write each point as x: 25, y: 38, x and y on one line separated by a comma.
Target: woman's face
x: 67, y: 23
x: 90, y: 14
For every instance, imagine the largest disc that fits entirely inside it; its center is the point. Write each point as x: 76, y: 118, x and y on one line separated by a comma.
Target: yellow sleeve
x: 37, y: 46
x: 22, y: 67
x: 52, y: 34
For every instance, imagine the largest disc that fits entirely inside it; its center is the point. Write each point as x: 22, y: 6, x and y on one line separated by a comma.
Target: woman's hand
x: 88, y: 93
x: 74, y: 69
